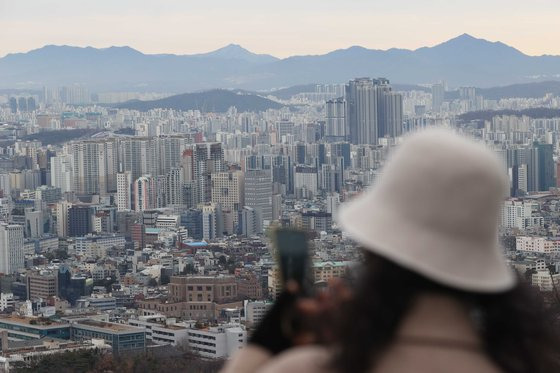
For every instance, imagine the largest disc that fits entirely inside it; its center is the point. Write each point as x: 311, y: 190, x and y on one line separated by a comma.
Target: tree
x: 106, y: 282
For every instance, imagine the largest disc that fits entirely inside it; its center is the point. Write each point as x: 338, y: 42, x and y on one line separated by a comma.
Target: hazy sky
x: 278, y: 27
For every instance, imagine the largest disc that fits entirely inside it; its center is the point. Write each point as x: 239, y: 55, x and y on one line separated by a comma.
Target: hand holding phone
x: 292, y: 251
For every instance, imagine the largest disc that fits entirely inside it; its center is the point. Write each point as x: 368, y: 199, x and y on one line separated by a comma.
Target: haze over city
x: 350, y: 186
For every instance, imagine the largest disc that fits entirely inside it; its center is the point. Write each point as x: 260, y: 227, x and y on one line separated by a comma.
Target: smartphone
x: 293, y: 256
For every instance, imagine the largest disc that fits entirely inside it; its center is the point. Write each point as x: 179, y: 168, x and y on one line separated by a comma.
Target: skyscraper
x: 62, y: 208
x: 62, y: 172
x: 212, y: 221
x: 22, y: 104
x: 124, y: 191
x: 546, y: 167
x: 173, y: 187
x: 95, y: 166
x: 11, y: 248
x: 373, y: 111
x: 390, y: 105
x: 79, y: 220
x: 228, y: 190
x: 361, y: 111
x: 13, y: 105
x: 340, y: 149
x: 251, y: 222
x: 258, y: 192
x: 336, y: 120
x: 438, y: 95
x: 145, y: 193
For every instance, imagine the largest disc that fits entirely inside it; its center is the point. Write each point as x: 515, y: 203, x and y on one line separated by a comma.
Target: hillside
x: 489, y: 114
x: 218, y: 101
x: 528, y: 90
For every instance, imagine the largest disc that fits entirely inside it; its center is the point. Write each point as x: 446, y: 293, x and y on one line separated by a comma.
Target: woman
x: 435, y: 294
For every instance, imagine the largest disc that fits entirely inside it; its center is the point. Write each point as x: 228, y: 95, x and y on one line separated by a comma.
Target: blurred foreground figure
x: 435, y: 294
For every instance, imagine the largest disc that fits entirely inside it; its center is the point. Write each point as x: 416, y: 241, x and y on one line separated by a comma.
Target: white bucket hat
x: 434, y: 210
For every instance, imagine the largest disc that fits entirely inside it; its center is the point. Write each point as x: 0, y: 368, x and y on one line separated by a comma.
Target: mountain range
x: 464, y: 60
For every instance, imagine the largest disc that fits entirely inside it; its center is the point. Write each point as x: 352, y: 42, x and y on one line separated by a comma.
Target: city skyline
x: 276, y: 29
x: 168, y: 169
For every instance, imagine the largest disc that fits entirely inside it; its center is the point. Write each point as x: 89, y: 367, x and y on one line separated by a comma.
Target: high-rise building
x: 228, y: 190
x: 340, y: 149
x: 138, y: 155
x: 361, y: 111
x: 212, y: 221
x: 95, y: 166
x: 336, y: 120
x: 305, y: 181
x: 31, y: 105
x: 145, y: 193
x: 199, y: 162
x: 438, y: 95
x: 11, y: 248
x: 546, y: 166
x: 62, y: 208
x: 283, y: 173
x: 467, y: 93
x: 390, y: 107
x: 124, y: 191
x: 13, y: 105
x: 173, y: 187
x: 332, y: 204
x: 192, y: 220
x: 42, y: 285
x: 79, y: 220
x: 276, y: 206
x: 22, y: 104
x: 332, y: 176
x: 251, y: 220
x: 62, y: 174
x: 373, y: 111
x: 5, y: 187
x: 258, y: 191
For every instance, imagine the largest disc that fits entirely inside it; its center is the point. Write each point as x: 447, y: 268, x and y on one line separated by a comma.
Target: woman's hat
x: 434, y: 210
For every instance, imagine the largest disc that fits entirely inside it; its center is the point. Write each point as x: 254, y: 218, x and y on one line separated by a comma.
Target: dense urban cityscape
x: 136, y: 221
x: 151, y: 231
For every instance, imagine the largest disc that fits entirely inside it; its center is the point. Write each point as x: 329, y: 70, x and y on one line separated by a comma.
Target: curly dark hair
x: 517, y: 330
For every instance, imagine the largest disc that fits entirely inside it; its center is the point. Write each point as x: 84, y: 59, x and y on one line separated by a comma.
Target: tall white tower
x: 124, y: 189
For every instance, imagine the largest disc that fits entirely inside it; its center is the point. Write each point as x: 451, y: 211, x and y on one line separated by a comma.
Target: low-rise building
x: 22, y: 352
x: 101, y: 302
x: 217, y: 342
x: 325, y: 271
x: 543, y: 245
x: 161, y: 330
x: 25, y: 328
x: 121, y: 337
x: 7, y: 302
x: 255, y: 312
x: 43, y: 284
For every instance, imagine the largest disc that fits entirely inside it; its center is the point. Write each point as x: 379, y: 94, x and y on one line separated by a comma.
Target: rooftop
x: 109, y: 326
x: 32, y: 321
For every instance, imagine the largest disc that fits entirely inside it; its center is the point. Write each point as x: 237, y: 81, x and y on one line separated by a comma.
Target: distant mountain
x: 464, y: 60
x: 481, y: 116
x: 527, y: 90
x: 237, y: 52
x: 287, y: 93
x: 217, y: 101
